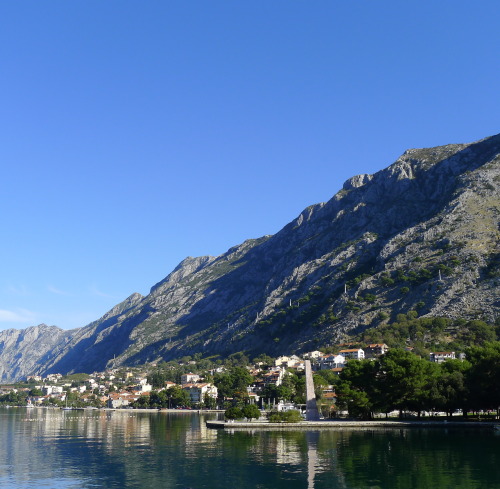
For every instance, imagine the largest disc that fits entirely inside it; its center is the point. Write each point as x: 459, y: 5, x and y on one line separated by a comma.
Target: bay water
x: 51, y: 448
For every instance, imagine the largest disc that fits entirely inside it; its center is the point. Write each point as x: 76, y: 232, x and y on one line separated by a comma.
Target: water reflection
x: 312, y: 457
x: 105, y: 449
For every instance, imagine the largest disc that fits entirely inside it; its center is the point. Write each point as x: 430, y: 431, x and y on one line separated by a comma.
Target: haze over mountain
x: 422, y: 234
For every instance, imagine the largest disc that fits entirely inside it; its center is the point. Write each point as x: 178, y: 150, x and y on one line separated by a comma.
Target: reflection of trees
x: 260, y: 459
x: 130, y: 449
x: 419, y: 459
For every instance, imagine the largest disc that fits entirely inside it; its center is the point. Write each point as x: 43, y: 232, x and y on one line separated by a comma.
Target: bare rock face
x: 22, y: 351
x: 421, y: 235
x: 357, y: 181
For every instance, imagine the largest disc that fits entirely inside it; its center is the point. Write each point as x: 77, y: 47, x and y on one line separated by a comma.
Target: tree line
x: 402, y: 381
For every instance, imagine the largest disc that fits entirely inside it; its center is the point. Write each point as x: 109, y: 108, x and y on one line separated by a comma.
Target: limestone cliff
x: 22, y: 351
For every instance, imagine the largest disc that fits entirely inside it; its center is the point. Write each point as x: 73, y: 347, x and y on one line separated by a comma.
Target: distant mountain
x: 421, y: 235
x: 23, y: 351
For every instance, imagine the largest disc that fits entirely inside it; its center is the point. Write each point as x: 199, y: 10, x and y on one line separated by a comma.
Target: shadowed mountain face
x: 421, y: 235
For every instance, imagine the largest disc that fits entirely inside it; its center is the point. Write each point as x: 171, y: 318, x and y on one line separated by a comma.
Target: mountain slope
x: 22, y: 351
x: 423, y: 235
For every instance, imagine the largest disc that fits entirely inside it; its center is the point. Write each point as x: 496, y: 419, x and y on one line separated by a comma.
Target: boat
x: 67, y: 408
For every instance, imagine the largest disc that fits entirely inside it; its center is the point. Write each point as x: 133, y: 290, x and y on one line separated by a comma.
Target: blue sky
x: 134, y: 134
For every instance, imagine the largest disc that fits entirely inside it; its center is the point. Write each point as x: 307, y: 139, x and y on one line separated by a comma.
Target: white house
x: 353, y: 354
x: 327, y: 362
x: 120, y: 399
x: 274, y: 375
x: 52, y: 389
x: 313, y: 354
x: 375, y: 350
x: 197, y: 392
x: 53, y: 377
x: 287, y: 361
x: 189, y: 378
x: 441, y: 356
x: 145, y: 387
x: 286, y: 406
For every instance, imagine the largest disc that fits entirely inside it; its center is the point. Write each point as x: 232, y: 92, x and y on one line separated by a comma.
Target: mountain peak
x: 186, y: 267
x: 357, y: 181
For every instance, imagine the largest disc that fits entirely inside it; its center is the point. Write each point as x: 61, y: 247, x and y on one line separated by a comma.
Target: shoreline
x: 327, y: 424
x: 123, y: 410
x: 349, y: 424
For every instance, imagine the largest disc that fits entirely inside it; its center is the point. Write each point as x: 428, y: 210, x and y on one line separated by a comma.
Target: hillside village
x: 198, y: 388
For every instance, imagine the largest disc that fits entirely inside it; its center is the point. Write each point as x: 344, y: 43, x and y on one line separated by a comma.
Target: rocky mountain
x: 420, y: 235
x: 22, y: 351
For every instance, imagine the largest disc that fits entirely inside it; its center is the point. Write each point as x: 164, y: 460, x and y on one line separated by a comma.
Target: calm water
x: 75, y: 449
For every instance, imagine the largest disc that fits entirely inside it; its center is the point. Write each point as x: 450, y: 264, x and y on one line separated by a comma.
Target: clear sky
x: 134, y: 134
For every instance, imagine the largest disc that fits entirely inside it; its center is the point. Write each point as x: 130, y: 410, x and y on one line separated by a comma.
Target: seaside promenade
x: 348, y: 424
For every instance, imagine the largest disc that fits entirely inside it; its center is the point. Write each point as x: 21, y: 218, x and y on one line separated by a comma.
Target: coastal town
x: 276, y: 384
x: 120, y: 388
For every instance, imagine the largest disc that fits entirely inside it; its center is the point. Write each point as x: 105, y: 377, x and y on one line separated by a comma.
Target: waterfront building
x: 197, y: 392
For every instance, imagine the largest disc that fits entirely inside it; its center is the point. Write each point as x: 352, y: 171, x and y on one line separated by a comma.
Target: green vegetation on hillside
x: 430, y: 334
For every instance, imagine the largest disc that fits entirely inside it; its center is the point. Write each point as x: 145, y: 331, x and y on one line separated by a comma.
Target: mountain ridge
x: 427, y: 223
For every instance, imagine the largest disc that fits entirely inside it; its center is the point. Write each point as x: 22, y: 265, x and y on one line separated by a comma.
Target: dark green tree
x: 483, y: 378
x: 266, y: 360
x: 209, y: 402
x: 142, y: 403
x: 357, y: 390
x: 232, y: 382
x: 157, y: 379
x: 453, y: 393
x: 158, y: 399
x: 177, y: 397
x: 402, y: 381
x: 478, y: 333
x: 233, y: 413
x: 238, y: 359
x: 251, y: 411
